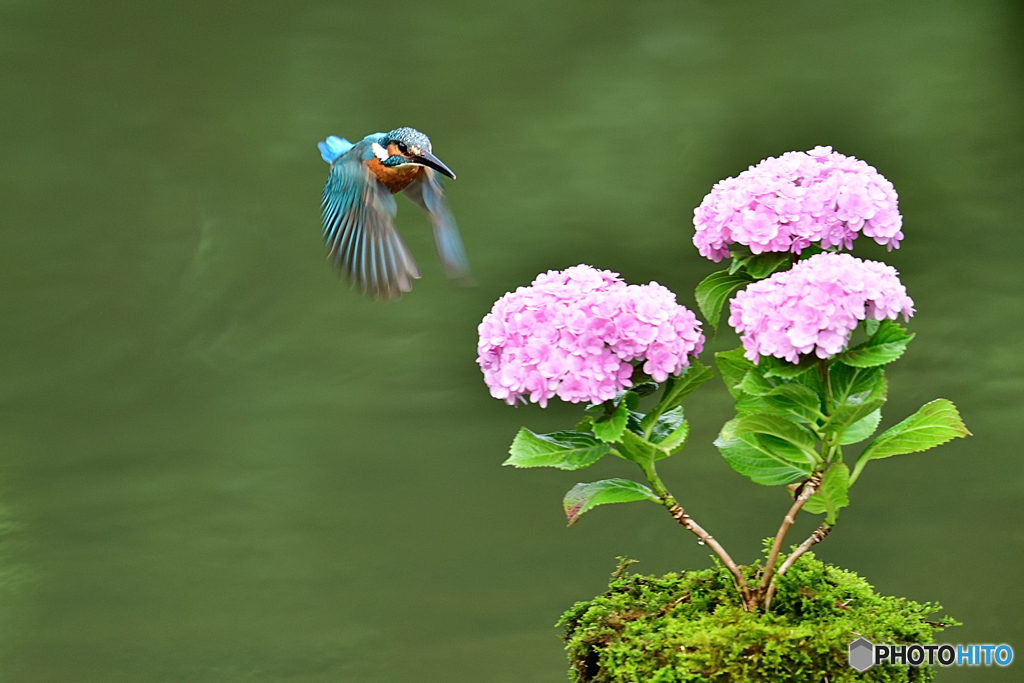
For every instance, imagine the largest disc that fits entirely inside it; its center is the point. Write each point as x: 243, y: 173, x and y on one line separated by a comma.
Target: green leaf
x: 764, y: 459
x: 644, y: 388
x: 871, y: 325
x: 609, y: 428
x: 848, y: 382
x: 794, y: 400
x: 583, y: 497
x: 856, y: 392
x: 934, y: 424
x: 884, y: 346
x: 714, y: 290
x: 678, y: 388
x: 832, y: 494
x: 564, y: 450
x: 668, y: 432
x: 660, y: 425
x: 778, y: 427
x: 754, y: 383
x: 763, y: 265
x: 811, y: 380
x: 740, y: 255
x: 778, y: 367
x: 733, y: 367
x: 633, y: 422
x: 631, y: 400
x: 637, y: 449
x: 778, y: 396
x: 674, y: 440
x: 750, y: 405
x: 861, y: 429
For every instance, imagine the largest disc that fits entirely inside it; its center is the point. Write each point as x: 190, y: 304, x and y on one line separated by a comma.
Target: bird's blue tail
x: 333, y: 147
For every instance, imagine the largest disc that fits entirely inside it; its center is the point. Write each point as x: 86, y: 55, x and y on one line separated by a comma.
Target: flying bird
x: 358, y: 208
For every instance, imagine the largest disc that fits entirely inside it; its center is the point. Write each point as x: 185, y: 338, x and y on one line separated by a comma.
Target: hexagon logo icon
x: 862, y: 654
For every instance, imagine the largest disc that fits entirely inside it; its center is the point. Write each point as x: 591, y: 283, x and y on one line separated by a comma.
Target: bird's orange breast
x: 395, y: 178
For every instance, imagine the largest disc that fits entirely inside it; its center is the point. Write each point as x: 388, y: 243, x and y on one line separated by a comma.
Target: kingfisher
x: 358, y: 208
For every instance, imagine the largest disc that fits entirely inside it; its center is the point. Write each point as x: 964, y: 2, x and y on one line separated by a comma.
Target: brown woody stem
x: 806, y: 491
x: 680, y: 516
x: 817, y: 536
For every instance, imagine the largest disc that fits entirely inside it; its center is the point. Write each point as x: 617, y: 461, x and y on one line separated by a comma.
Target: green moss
x: 691, y: 627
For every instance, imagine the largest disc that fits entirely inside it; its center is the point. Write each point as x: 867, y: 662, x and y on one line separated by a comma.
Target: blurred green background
x: 219, y: 464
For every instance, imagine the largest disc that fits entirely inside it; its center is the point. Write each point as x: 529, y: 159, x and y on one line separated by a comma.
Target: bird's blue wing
x: 333, y: 147
x: 426, y: 191
x: 363, y: 242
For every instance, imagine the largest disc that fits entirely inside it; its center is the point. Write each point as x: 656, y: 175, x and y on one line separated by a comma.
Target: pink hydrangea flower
x: 787, y: 203
x: 815, y: 305
x: 574, y: 334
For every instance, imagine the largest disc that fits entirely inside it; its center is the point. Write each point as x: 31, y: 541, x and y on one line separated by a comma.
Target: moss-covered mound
x: 691, y: 627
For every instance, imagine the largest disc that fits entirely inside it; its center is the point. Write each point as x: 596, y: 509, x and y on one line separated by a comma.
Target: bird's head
x: 409, y: 146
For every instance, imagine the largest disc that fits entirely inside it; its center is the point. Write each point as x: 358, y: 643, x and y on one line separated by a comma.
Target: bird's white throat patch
x: 379, y: 151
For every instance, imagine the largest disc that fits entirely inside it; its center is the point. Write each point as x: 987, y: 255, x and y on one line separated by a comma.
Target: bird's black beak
x: 429, y: 160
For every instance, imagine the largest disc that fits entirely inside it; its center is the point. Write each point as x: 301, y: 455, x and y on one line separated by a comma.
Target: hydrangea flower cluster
x: 815, y: 306
x: 787, y: 203
x: 574, y: 333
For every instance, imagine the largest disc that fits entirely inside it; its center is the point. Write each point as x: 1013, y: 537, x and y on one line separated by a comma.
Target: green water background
x: 218, y: 464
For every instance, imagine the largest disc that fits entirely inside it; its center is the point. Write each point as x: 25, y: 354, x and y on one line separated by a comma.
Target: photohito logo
x: 864, y: 655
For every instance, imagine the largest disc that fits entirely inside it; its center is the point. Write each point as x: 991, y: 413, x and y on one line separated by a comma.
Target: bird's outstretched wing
x: 333, y: 147
x: 357, y: 213
x: 426, y: 191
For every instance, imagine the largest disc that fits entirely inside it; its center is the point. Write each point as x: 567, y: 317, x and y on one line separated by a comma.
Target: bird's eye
x: 402, y: 148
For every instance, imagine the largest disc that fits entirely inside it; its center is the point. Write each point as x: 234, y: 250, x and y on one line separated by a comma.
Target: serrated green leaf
x: 714, y: 290
x: 733, y: 367
x: 933, y: 424
x: 609, y: 427
x: 674, y: 440
x: 583, y: 497
x: 763, y: 265
x: 739, y: 254
x: 832, y: 495
x: 631, y: 400
x: 736, y: 265
x: 861, y: 429
x: 764, y: 459
x: 644, y: 388
x: 749, y: 405
x: 660, y: 426
x: 794, y: 400
x: 856, y: 392
x: 811, y: 380
x: 585, y: 425
x: 847, y: 381
x: 678, y: 388
x: 887, y: 344
x: 754, y: 383
x: 778, y: 367
x: 871, y: 326
x: 637, y: 449
x: 775, y: 426
x: 668, y: 432
x: 563, y: 450
x: 779, y: 396
x: 815, y: 505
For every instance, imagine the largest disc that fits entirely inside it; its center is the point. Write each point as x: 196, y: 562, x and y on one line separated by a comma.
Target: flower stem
x: 817, y: 536
x: 680, y: 516
x: 806, y: 491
